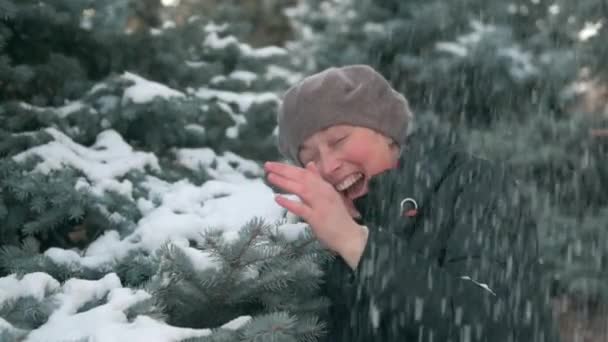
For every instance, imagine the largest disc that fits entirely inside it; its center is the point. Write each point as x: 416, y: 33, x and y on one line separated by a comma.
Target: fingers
x: 297, y: 208
x: 312, y: 167
x: 285, y: 170
x: 295, y: 180
x: 286, y: 184
x: 352, y: 211
x: 306, y: 183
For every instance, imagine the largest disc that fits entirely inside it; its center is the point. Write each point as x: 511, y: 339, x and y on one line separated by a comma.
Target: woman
x: 432, y: 244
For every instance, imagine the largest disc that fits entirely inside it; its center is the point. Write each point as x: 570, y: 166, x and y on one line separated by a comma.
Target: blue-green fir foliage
x: 92, y: 83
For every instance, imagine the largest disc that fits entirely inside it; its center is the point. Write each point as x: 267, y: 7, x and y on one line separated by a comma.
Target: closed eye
x: 339, y: 140
x: 307, y: 157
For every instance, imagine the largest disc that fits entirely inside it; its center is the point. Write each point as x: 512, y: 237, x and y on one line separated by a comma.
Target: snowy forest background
x: 132, y: 200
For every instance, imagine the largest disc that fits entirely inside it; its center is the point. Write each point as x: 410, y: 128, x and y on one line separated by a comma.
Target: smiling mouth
x: 352, y: 186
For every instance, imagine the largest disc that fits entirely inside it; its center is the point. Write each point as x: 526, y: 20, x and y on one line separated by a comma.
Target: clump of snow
x: 106, y: 322
x: 169, y: 24
x: 107, y: 103
x: 98, y: 87
x: 188, y: 210
x: 521, y: 66
x: 107, y: 244
x: 213, y: 27
x: 195, y: 158
x: 145, y: 329
x: 244, y: 202
x: 228, y: 167
x: 275, y: 71
x: 554, y: 9
x: 6, y: 327
x: 214, y: 41
x: 265, y: 52
x: 91, y: 259
x: 243, y: 100
x: 36, y: 285
x: 246, y: 76
x: 164, y: 223
x: 237, y: 323
x: 465, y: 42
x: 201, y: 260
x: 69, y: 108
x: 453, y: 48
x: 232, y: 132
x: 156, y: 32
x: 145, y: 206
x: 372, y: 27
x: 124, y: 187
x: 28, y: 106
x: 196, y: 64
x: 590, y: 30
x: 185, y: 212
x: 76, y: 292
x: 61, y: 111
x: 218, y: 79
x: 238, y: 119
x: 292, y: 231
x: 195, y: 128
x: 67, y: 257
x: 143, y: 90
x: 242, y: 165
x: 109, y: 157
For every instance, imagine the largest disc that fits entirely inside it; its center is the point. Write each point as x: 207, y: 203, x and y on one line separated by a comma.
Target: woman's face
x: 348, y: 156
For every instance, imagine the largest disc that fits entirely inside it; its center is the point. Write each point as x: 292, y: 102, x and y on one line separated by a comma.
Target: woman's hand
x: 322, y: 207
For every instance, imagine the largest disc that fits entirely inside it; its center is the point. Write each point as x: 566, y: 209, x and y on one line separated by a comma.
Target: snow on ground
x: 175, y: 212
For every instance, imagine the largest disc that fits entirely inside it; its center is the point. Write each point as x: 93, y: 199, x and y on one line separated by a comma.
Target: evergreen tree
x: 120, y: 142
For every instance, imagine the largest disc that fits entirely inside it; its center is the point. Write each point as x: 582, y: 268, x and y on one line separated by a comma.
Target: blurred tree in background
x: 260, y: 23
x: 473, y: 61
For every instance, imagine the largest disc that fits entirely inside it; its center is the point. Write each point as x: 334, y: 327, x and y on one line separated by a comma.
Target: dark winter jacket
x: 458, y: 263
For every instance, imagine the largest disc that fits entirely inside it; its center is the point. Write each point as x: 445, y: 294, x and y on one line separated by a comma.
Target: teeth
x: 350, y: 180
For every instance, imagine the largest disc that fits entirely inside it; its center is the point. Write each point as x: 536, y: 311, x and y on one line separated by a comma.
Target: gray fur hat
x: 355, y: 95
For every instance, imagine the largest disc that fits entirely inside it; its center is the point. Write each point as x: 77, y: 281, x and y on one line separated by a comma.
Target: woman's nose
x: 328, y: 163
